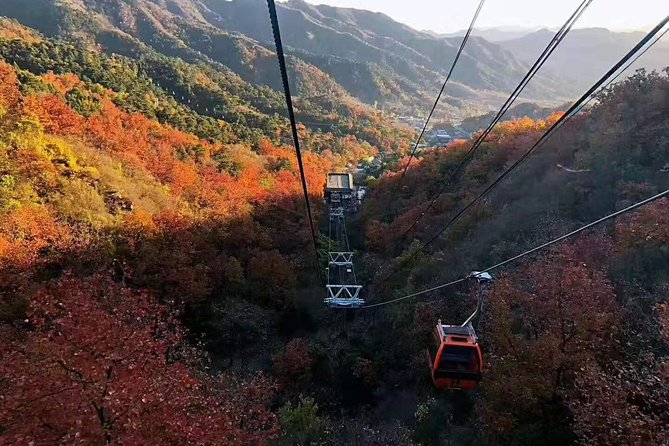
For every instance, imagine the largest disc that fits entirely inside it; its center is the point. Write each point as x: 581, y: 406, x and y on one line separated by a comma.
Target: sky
x: 445, y: 16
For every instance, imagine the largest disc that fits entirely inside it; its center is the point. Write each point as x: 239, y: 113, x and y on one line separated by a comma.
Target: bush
x: 293, y: 365
x: 301, y: 424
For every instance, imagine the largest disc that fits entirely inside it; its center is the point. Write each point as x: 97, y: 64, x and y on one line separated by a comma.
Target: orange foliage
x: 11, y: 30
x: 63, y: 83
x: 148, y: 145
x: 28, y: 234
x: 140, y: 223
x: 507, y: 129
x: 9, y: 86
x: 183, y: 176
x: 54, y: 114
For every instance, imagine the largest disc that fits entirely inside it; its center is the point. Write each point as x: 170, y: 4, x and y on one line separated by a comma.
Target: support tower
x: 342, y: 288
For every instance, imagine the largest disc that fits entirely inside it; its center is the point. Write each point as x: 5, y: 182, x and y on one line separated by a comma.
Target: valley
x: 158, y: 280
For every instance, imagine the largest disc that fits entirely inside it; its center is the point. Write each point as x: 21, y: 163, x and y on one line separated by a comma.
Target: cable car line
x: 621, y: 71
x: 528, y: 252
x: 541, y: 60
x: 291, y: 115
x: 566, y: 116
x: 543, y: 57
x: 581, y: 229
x: 455, y: 357
x: 443, y: 86
x: 418, y: 293
x: 341, y: 233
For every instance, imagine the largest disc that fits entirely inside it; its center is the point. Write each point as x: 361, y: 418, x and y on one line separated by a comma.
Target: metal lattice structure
x: 341, y: 258
x: 342, y: 288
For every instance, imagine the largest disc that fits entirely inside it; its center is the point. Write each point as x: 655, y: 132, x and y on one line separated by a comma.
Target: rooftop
x: 340, y: 181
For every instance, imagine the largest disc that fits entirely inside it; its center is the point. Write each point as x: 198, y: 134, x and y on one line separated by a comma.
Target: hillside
x: 518, y: 111
x: 144, y: 29
x: 73, y: 179
x: 212, y: 102
x: 359, y: 36
x: 576, y: 336
x: 371, y: 57
x: 126, y: 239
x: 586, y: 54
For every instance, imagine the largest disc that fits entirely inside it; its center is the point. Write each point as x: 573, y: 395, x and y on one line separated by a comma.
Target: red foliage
x: 377, y: 235
x: 625, y: 403
x: 100, y: 366
x: 663, y: 319
x: 648, y: 226
x: 364, y: 370
x: 549, y: 320
x: 621, y: 404
x: 293, y: 365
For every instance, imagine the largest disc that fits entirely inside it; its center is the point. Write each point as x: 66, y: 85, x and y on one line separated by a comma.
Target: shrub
x: 301, y: 424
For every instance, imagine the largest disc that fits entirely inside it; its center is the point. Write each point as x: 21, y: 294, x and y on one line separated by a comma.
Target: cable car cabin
x: 339, y: 190
x: 455, y: 357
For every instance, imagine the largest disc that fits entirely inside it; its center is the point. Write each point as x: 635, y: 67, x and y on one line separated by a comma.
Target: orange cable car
x: 454, y: 353
x: 455, y: 357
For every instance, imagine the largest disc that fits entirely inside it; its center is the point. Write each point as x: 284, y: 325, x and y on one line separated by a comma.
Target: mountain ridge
x: 587, y: 53
x: 369, y: 55
x: 337, y: 51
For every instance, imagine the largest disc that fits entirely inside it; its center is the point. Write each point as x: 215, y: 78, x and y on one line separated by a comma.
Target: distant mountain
x: 496, y: 34
x: 586, y: 54
x: 396, y: 58
x: 334, y: 51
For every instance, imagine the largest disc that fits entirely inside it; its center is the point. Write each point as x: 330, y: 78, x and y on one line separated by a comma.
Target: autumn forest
x: 158, y: 283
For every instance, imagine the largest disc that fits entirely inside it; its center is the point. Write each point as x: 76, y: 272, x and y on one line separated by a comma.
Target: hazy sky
x: 454, y: 15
